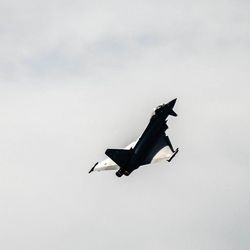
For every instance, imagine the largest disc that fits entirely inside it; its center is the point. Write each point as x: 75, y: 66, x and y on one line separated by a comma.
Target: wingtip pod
x: 93, y: 168
x: 175, y: 152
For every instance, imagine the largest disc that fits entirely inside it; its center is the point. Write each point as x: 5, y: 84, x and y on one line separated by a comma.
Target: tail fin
x: 119, y: 156
x: 172, y: 113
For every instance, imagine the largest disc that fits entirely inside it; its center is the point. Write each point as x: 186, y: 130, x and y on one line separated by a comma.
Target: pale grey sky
x: 77, y: 77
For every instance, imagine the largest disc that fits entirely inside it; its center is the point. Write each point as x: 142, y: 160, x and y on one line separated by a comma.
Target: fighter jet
x: 152, y: 146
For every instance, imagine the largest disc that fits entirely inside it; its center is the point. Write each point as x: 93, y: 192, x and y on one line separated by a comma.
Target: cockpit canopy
x: 157, y: 108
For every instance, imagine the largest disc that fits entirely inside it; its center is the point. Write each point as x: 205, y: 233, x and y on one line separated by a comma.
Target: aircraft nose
x: 172, y: 103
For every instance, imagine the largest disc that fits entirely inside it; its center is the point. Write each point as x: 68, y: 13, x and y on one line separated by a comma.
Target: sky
x: 78, y: 77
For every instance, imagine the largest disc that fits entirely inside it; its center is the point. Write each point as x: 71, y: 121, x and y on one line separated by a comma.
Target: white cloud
x: 60, y: 39
x: 78, y: 77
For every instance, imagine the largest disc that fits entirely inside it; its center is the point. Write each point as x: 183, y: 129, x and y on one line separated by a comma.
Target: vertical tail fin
x: 119, y: 156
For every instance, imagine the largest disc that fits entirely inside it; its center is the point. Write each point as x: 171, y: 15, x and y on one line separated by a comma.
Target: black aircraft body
x: 149, y: 144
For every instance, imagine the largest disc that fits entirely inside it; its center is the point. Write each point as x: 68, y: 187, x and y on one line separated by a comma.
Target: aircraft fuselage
x: 156, y: 126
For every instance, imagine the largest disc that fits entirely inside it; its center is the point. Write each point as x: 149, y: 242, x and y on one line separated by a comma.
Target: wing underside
x: 161, y: 150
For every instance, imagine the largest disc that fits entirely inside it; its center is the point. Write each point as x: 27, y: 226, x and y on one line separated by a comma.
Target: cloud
x: 54, y: 40
x: 78, y: 77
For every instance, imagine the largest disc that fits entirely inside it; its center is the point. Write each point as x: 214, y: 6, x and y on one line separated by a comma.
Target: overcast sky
x: 77, y: 77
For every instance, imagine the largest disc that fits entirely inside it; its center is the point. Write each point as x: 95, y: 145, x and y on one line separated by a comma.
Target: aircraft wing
x: 106, y: 164
x: 109, y: 164
x: 161, y: 150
